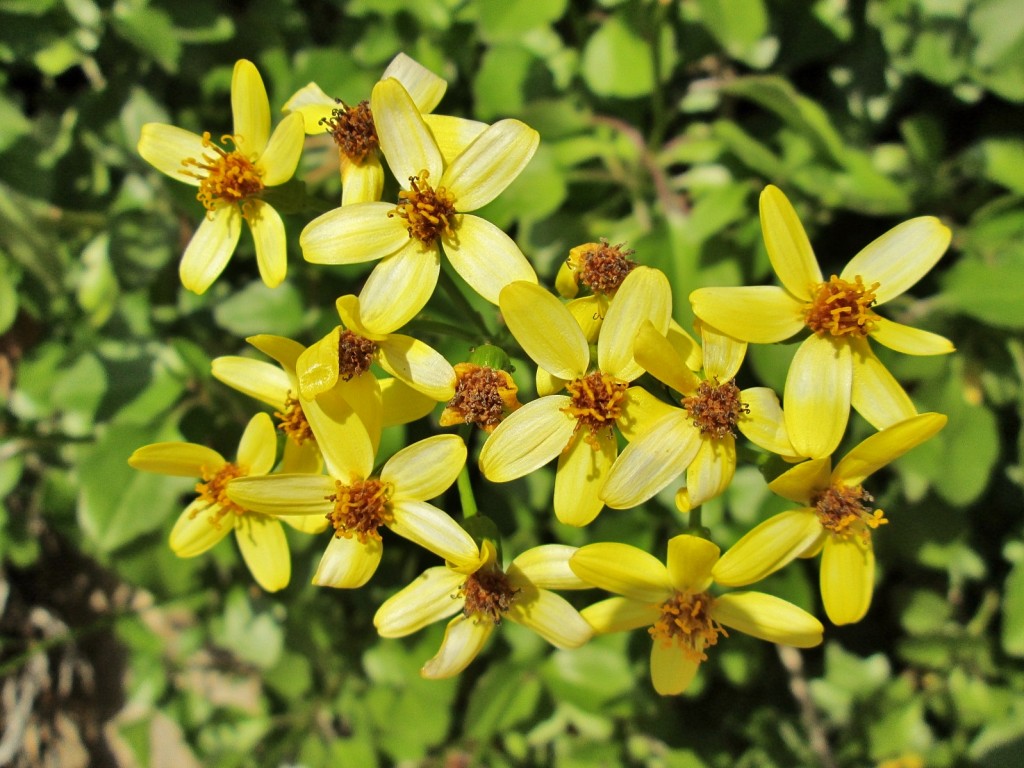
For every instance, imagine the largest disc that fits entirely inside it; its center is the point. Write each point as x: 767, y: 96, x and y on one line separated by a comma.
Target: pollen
x: 225, y: 176
x: 846, y: 510
x: 429, y: 212
x: 353, y: 130
x: 360, y: 509
x: 488, y: 594
x: 716, y: 408
x: 293, y: 421
x: 214, y: 492
x: 355, y: 355
x: 688, y: 617
x: 842, y: 308
x: 596, y: 402
x: 601, y: 267
x: 483, y: 396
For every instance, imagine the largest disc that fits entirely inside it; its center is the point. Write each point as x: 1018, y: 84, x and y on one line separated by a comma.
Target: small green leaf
x: 259, y: 309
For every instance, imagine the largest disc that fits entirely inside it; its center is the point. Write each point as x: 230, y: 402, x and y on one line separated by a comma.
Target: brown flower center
x: 688, y: 617
x: 360, y: 509
x: 214, y: 491
x: 353, y: 130
x: 841, y: 308
x: 483, y: 396
x: 355, y: 355
x: 716, y: 408
x: 224, y: 176
x: 293, y: 421
x: 602, y: 267
x: 846, y: 510
x: 488, y: 594
x: 595, y: 402
x: 429, y: 212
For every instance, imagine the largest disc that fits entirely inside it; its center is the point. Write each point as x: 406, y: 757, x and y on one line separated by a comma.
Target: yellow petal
x: 453, y: 134
x: 760, y: 314
x: 434, y: 530
x: 547, y: 567
x: 876, y: 395
x: 528, y: 438
x: 283, y: 494
x: 318, y: 367
x: 165, y: 147
x: 711, y: 470
x: 672, y: 666
x: 655, y: 458
x: 545, y: 329
x: 310, y: 524
x: 431, y: 597
x: 690, y: 560
x: 425, y: 469
x: 908, y: 340
x: 314, y: 105
x: 640, y: 411
x: 723, y: 354
x: 817, y: 395
x: 302, y: 459
x: 401, y: 404
x: 360, y: 394
x: 686, y: 346
x: 353, y: 234
x: 886, y: 446
x: 847, y: 578
x: 589, y: 312
x: 658, y: 357
x: 900, y: 257
x: 764, y: 424
x: 768, y: 547
x: 580, y: 474
x: 551, y: 617
x: 405, y: 139
x: 361, y: 182
x: 424, y: 87
x: 195, y: 531
x: 486, y: 257
x: 344, y: 438
x: 348, y: 563
x: 547, y: 384
x: 257, y: 450
x: 399, y: 286
x: 418, y: 365
x: 210, y: 248
x: 271, y: 245
x: 176, y: 458
x: 801, y: 482
x: 284, y: 351
x: 281, y: 157
x: 255, y: 378
x: 624, y: 570
x: 250, y: 108
x: 644, y: 296
x: 492, y: 162
x: 768, y: 618
x: 620, y: 614
x: 464, y: 638
x: 788, y: 247
x: 265, y: 550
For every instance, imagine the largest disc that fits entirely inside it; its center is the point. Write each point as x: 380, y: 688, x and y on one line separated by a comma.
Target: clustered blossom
x: 610, y: 366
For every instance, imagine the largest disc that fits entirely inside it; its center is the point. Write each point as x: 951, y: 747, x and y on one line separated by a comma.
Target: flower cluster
x: 628, y: 402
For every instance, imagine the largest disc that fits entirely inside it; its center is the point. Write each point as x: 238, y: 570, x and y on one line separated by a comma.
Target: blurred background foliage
x: 660, y: 124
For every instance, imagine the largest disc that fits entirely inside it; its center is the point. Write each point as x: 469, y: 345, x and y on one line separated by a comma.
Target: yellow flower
x: 483, y: 396
x: 577, y: 427
x: 208, y: 519
x: 837, y: 518
x: 674, y: 601
x: 483, y: 595
x: 231, y: 175
x: 433, y: 208
x: 834, y: 367
x: 357, y: 503
x: 352, y: 128
x: 700, y: 437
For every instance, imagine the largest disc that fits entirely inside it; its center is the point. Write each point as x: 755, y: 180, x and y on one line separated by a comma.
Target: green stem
x: 695, y: 525
x: 438, y: 328
x: 658, y: 112
x: 459, y: 302
x: 466, y: 497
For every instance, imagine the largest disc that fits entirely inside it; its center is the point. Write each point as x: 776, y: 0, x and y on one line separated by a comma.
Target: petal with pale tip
x: 283, y: 494
x: 271, y: 244
x: 405, y: 140
x: 425, y: 469
x: 624, y: 570
x: 546, y: 330
x: 550, y: 616
x: 256, y: 378
x: 196, y: 529
x: 265, y: 550
x: 432, y: 596
x: 210, y: 248
x: 547, y: 567
x: 817, y: 395
x: 176, y: 458
x: 348, y: 563
x: 486, y: 257
x: 166, y: 147
x: 760, y: 314
x: 399, y: 287
x: 493, y: 161
x: 876, y: 394
x: 418, y: 365
x: 527, y: 439
x: 250, y: 109
x: 257, y: 450
x: 582, y: 469
x: 768, y: 547
x: 788, y: 247
x: 434, y: 530
x: 768, y: 618
x: 464, y: 638
x: 353, y: 234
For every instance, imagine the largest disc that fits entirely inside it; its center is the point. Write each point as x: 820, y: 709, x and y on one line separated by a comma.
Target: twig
x: 818, y: 740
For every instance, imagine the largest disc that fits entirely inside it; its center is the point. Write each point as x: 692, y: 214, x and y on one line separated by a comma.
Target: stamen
x: 596, y: 403
x: 846, y: 511
x: 842, y: 308
x: 488, y: 594
x: 688, y: 617
x: 293, y: 421
x: 483, y: 396
x: 716, y: 408
x: 429, y: 212
x: 353, y: 130
x: 355, y: 355
x: 214, y: 491
x: 601, y: 267
x: 225, y: 177
x: 360, y: 509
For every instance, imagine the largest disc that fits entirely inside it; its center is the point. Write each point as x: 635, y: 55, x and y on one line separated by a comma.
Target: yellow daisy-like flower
x: 357, y: 503
x: 433, y: 208
x: 578, y: 427
x: 836, y: 519
x: 700, y: 437
x: 353, y: 131
x: 213, y: 514
x: 834, y: 367
x: 231, y: 175
x: 675, y: 602
x: 483, y: 595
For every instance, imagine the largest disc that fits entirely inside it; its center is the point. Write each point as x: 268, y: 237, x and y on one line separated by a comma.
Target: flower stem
x: 459, y: 302
x: 465, y: 486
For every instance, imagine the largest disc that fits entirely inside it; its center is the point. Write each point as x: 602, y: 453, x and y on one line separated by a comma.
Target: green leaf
x: 97, y: 290
x: 251, y: 636
x: 618, y: 62
x: 499, y: 86
x: 259, y: 309
x: 8, y: 293
x: 740, y: 25
x: 507, y: 21
x: 151, y: 30
x: 591, y: 675
x: 1013, y: 606
x: 503, y: 697
x: 13, y: 124
x: 1004, y: 162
